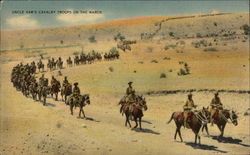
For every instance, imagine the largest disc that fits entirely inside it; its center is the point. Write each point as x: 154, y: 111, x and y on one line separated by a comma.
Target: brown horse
x: 195, y: 121
x: 55, y: 89
x: 221, y: 119
x: 136, y: 111
x: 82, y: 101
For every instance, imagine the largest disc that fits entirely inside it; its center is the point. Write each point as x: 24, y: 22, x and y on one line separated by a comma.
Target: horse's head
x: 206, y: 113
x: 86, y: 98
x: 142, y: 102
x: 233, y: 117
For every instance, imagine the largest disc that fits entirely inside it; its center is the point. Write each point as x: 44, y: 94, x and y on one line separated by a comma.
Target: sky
x: 14, y: 14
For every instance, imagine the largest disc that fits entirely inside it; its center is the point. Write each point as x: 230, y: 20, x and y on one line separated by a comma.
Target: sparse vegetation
x: 198, y: 35
x: 246, y: 29
x: 166, y: 58
x: 92, y: 39
x: 149, y: 49
x: 171, y: 34
x: 141, y: 62
x: 163, y: 75
x: 210, y: 49
x: 169, y: 46
x: 76, y: 53
x: 111, y: 69
x: 154, y: 61
x: 179, y: 51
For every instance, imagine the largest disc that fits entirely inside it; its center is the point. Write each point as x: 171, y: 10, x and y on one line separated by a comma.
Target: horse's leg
x: 80, y: 110
x: 219, y: 128
x: 136, y: 123
x: 56, y: 96
x: 44, y: 100
x: 206, y: 129
x: 199, y: 137
x: 127, y: 117
x: 140, y: 122
x: 222, y: 129
x: 71, y: 108
x: 179, y: 132
x: 175, y: 133
x: 195, y: 139
x: 83, y: 112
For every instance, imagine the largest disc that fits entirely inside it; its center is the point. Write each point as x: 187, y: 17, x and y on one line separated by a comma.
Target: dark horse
x: 42, y: 93
x: 81, y: 102
x: 195, y: 121
x: 221, y: 119
x: 136, y: 110
x: 55, y: 89
x: 66, y: 91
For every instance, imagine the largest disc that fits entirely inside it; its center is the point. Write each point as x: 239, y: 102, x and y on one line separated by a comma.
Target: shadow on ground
x: 205, y: 147
x: 229, y: 140
x: 50, y: 104
x: 89, y: 119
x: 145, y: 131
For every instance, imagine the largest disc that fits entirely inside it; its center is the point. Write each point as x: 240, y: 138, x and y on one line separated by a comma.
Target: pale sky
x: 110, y: 10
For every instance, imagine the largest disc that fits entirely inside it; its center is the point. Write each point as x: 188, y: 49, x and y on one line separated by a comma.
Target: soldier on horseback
x: 130, y: 93
x: 76, y: 93
x: 188, y: 107
x: 65, y: 81
x: 216, y: 106
x: 41, y: 80
x: 53, y: 80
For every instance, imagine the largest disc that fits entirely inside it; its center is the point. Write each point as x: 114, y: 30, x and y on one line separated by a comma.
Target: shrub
x: 92, y: 39
x: 61, y: 41
x: 182, y: 72
x: 166, y: 58
x: 163, y: 75
x: 154, y: 61
x: 210, y: 49
x: 246, y: 29
x: 149, y: 49
x: 140, y: 62
x: 171, y: 34
x: 111, y: 69
x: 169, y: 46
x: 76, y: 53
x: 198, y: 35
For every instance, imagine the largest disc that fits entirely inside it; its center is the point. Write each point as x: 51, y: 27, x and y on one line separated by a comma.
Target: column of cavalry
x: 23, y: 79
x: 77, y: 59
x: 132, y: 105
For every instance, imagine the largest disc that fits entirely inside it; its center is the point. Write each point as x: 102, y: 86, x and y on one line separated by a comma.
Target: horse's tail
x: 121, y: 109
x: 172, y: 116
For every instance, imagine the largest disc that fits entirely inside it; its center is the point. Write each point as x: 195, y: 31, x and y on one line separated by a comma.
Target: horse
x: 221, y: 119
x: 81, y: 102
x: 66, y: 91
x: 33, y: 90
x: 40, y: 65
x: 136, y: 110
x: 69, y: 62
x: 195, y: 122
x: 42, y: 93
x: 55, y: 88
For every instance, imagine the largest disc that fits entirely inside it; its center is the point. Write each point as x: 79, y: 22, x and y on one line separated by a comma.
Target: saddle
x: 189, y: 116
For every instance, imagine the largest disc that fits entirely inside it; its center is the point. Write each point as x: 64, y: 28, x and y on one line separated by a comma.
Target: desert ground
x: 28, y: 127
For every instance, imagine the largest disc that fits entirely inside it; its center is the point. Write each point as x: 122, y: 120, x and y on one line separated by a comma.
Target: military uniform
x: 189, y: 105
x: 130, y: 94
x: 216, y: 106
x: 65, y: 81
x: 41, y: 80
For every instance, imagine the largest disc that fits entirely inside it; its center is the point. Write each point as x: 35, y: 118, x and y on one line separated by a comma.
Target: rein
x: 199, y: 117
x: 224, y: 117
